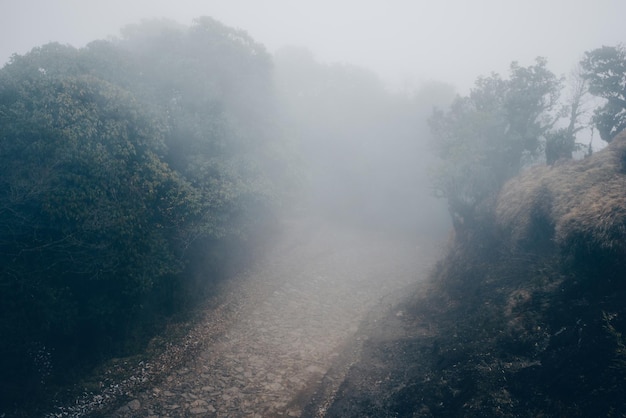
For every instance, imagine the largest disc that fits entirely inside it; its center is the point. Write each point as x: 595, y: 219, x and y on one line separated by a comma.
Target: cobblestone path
x: 291, y: 316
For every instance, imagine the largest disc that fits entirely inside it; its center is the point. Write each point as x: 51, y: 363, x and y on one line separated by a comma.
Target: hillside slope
x: 524, y: 317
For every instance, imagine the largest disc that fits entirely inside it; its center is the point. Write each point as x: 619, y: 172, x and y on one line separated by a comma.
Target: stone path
x: 290, y: 319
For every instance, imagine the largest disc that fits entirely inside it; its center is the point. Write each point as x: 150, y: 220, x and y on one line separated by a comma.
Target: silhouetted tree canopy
x: 605, y: 70
x: 485, y: 138
x: 119, y: 161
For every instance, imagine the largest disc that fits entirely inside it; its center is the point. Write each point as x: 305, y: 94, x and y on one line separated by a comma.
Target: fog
x: 155, y: 164
x: 405, y: 42
x: 359, y: 79
x: 365, y: 152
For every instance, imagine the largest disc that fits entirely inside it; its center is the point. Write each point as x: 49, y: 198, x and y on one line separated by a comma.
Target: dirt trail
x: 290, y: 319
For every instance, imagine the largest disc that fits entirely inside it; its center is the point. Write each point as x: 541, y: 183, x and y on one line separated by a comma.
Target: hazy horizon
x: 405, y: 42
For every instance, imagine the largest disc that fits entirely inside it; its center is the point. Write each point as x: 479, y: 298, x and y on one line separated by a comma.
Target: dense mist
x: 365, y: 152
x: 212, y: 170
x: 405, y: 43
x: 138, y: 172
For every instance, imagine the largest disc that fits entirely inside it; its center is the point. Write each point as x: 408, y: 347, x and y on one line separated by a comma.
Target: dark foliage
x: 605, y: 70
x: 125, y: 166
x: 485, y: 138
x: 525, y: 319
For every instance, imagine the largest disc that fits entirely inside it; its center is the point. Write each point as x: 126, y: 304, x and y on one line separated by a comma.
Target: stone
x: 198, y: 411
x: 134, y: 405
x: 314, y: 369
x: 198, y: 403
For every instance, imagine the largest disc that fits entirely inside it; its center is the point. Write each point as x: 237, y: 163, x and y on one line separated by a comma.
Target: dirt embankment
x: 524, y: 318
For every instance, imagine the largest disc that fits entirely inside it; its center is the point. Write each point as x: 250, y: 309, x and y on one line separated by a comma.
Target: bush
x: 119, y: 167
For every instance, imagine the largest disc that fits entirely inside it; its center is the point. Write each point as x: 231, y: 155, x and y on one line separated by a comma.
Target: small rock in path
x: 134, y: 405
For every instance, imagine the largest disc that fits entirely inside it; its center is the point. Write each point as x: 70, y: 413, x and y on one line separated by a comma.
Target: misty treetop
x: 487, y: 137
x: 605, y: 70
x: 117, y: 160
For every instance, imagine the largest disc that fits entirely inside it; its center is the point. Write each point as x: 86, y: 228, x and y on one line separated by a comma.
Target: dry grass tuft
x: 577, y: 205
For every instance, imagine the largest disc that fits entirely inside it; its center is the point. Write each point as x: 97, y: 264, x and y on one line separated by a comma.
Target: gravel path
x: 288, y: 321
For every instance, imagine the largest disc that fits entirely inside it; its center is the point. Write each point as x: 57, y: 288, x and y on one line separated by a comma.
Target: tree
x: 119, y: 162
x: 605, y: 70
x: 561, y: 142
x: 213, y: 86
x: 485, y: 138
x: 91, y: 219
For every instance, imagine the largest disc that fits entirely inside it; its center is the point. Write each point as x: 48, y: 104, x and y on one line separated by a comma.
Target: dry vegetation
x: 582, y: 203
x: 525, y: 315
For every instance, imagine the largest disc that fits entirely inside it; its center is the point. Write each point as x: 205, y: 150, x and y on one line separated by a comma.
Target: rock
x: 199, y: 403
x: 134, y: 405
x: 314, y: 369
x: 198, y: 411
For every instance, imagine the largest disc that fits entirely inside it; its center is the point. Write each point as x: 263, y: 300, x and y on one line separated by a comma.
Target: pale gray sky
x: 404, y: 41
